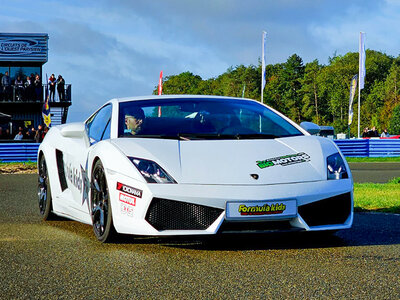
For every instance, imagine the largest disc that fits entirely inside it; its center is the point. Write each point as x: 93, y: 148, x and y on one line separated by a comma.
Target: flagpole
x: 358, y: 125
x: 264, y: 36
x: 361, y: 74
x: 359, y: 90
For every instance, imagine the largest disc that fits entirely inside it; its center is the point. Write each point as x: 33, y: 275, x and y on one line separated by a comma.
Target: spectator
x: 19, y: 136
x: 6, y: 83
x: 22, y: 130
x: 46, y: 129
x: 374, y: 132
x: 39, y: 134
x: 19, y: 88
x: 38, y: 88
x: 7, y: 135
x: 33, y: 133
x: 29, y: 88
x: 61, y: 88
x: 365, y: 133
x: 385, y: 133
x: 52, y: 86
x: 1, y: 133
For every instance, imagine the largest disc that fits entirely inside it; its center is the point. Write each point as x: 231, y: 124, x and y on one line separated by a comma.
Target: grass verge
x: 18, y: 168
x: 377, y: 196
x: 373, y: 159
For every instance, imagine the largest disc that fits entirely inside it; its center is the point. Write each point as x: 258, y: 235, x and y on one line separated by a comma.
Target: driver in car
x: 134, y: 120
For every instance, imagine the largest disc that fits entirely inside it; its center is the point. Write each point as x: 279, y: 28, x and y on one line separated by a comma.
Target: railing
x: 18, y: 152
x: 31, y: 94
x: 369, y: 147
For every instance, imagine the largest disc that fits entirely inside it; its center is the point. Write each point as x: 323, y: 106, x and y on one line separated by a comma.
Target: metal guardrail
x: 353, y: 148
x: 18, y: 152
x: 369, y: 147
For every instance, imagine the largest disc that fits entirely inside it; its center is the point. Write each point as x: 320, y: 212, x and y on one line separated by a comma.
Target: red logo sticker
x: 127, y: 199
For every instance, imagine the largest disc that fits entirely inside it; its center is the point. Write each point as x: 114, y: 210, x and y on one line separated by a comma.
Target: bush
x: 394, y: 124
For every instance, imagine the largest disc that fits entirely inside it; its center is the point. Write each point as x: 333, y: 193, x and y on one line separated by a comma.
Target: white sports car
x: 192, y: 165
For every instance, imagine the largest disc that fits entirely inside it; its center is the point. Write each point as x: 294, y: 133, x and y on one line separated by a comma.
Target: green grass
x: 377, y: 196
x: 28, y: 163
x: 373, y: 159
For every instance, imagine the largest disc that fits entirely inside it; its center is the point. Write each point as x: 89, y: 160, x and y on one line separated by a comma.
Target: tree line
x: 312, y: 91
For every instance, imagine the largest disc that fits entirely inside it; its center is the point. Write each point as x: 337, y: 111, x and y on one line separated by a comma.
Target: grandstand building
x: 23, y: 55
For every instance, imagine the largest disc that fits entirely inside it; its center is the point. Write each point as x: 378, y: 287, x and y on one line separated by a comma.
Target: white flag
x: 361, y: 62
x: 264, y: 41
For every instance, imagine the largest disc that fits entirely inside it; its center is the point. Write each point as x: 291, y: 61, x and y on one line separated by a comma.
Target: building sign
x: 23, y: 47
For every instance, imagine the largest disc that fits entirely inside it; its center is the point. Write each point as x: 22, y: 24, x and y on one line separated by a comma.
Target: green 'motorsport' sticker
x: 285, y: 160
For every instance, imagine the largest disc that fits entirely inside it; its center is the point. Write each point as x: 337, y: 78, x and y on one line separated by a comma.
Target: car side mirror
x: 73, y: 130
x: 310, y: 127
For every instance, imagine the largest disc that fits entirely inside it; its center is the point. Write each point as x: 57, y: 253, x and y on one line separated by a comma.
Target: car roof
x: 326, y: 128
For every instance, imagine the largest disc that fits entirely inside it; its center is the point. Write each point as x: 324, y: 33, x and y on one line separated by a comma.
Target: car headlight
x: 336, y: 167
x: 151, y: 171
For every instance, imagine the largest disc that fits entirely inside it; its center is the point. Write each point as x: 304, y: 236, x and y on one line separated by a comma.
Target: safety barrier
x: 369, y: 147
x: 18, y: 152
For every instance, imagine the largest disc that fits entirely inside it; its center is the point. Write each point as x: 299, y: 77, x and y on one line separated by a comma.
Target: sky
x: 116, y: 48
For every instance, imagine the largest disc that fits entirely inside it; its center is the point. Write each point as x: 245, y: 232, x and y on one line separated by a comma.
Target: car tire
x: 100, y: 205
x: 44, y: 191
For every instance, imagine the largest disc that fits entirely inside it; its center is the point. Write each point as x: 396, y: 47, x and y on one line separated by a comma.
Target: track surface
x: 61, y: 259
x: 380, y: 172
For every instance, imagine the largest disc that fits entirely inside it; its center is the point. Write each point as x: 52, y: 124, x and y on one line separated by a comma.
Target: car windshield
x: 205, y: 118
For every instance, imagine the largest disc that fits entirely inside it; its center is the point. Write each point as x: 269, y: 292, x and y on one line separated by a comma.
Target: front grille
x: 261, y: 226
x: 164, y: 214
x: 334, y: 210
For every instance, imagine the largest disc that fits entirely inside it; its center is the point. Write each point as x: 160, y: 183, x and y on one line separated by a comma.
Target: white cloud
x: 115, y: 48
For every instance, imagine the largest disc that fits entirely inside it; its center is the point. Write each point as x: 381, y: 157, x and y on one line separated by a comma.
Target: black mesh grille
x: 166, y: 214
x: 334, y: 210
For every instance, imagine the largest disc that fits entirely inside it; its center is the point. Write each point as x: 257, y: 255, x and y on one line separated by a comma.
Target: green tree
x: 292, y: 75
x: 311, y: 103
x: 184, y: 83
x: 394, y: 125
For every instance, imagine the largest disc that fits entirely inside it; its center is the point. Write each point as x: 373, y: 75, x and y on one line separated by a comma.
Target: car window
x: 98, y: 126
x: 106, y: 133
x: 208, y: 118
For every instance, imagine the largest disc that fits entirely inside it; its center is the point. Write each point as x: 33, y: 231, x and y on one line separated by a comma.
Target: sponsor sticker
x: 127, y: 203
x: 129, y: 190
x: 126, y: 210
x: 261, y: 209
x: 127, y: 199
x: 284, y: 161
x: 266, y: 209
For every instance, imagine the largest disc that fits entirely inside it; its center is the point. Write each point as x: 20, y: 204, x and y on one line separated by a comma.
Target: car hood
x: 241, y: 162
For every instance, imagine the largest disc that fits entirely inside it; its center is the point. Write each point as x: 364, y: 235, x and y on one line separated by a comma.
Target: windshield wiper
x: 241, y: 136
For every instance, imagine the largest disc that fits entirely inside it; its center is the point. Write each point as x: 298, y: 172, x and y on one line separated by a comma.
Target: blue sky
x: 117, y: 48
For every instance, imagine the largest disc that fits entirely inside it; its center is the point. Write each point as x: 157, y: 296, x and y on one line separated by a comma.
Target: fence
x: 14, y: 152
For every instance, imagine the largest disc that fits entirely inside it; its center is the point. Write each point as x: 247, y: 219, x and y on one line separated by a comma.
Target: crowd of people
x: 373, y: 132
x: 24, y: 133
x: 30, y: 88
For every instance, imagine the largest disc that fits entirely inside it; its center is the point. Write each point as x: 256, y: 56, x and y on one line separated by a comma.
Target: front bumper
x: 182, y: 209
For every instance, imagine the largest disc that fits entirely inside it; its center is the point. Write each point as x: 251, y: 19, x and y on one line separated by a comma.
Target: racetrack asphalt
x: 62, y: 259
x: 379, y: 172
